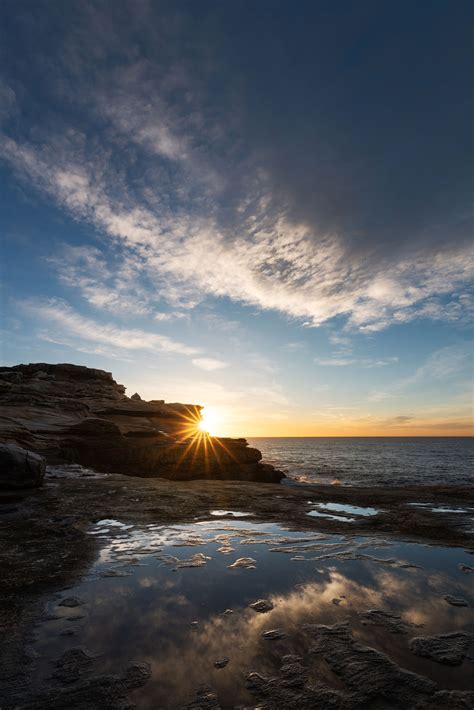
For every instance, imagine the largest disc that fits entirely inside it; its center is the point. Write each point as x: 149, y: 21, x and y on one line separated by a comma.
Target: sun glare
x: 208, y: 422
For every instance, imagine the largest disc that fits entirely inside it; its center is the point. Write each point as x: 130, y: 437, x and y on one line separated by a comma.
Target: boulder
x: 20, y: 468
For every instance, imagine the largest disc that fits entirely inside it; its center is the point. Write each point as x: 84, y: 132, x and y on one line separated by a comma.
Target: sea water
x: 372, y: 461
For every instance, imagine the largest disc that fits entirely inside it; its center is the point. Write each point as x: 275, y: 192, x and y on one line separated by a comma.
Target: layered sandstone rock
x: 74, y: 414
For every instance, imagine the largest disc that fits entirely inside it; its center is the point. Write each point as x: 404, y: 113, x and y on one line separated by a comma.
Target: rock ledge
x: 73, y: 414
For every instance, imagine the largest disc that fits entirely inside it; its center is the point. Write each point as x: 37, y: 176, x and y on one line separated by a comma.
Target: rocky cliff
x: 74, y: 414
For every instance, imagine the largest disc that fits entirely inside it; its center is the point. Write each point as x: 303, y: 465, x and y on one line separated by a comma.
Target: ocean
x: 366, y: 461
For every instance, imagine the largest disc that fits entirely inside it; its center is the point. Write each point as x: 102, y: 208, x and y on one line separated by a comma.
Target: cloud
x: 271, y: 263
x: 399, y: 420
x: 191, y: 199
x: 361, y: 362
x: 59, y: 313
x: 443, y: 364
x: 112, y: 285
x: 334, y: 361
x: 293, y: 346
x: 175, y: 315
x: 208, y: 363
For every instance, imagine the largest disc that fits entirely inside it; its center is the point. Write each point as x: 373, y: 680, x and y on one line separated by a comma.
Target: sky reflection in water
x: 148, y: 614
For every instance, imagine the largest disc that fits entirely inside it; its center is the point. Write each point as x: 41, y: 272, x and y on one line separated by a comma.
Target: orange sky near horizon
x: 224, y: 424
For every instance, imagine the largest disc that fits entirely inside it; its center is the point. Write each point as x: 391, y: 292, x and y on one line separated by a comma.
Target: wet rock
x: 20, y: 468
x: 273, y: 635
x: 369, y: 673
x: 261, y: 606
x: 450, y: 649
x: 289, y: 691
x: 221, y: 662
x: 245, y: 562
x: 137, y: 674
x: 291, y: 658
x: 456, y: 601
x: 71, y: 602
x: 114, y: 573
x: 73, y: 664
x: 465, y: 568
x: 392, y: 622
x: 197, y: 560
x: 447, y: 700
x: 226, y: 549
x: 293, y: 674
x: 107, y: 692
x: 205, y: 699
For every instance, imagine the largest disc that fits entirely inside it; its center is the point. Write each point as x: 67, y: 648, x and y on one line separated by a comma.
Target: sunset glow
x: 209, y: 422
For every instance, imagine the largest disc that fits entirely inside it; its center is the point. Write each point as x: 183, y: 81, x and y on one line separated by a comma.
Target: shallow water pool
x: 173, y: 597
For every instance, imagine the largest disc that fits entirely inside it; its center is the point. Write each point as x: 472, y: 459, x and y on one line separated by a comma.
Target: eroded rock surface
x: 450, y: 649
x: 73, y: 414
x: 392, y: 622
x: 79, y: 689
x: 205, y: 699
x: 365, y: 670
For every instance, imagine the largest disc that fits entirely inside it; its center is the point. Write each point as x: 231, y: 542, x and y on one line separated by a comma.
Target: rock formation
x: 73, y: 414
x: 20, y: 468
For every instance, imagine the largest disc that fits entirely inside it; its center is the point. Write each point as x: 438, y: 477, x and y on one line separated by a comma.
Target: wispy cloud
x: 359, y: 362
x: 441, y: 365
x: 208, y: 363
x: 262, y: 258
x: 59, y: 313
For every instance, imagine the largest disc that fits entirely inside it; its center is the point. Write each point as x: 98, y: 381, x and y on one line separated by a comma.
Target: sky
x: 262, y: 207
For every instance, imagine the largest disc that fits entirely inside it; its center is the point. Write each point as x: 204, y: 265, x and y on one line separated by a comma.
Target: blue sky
x: 262, y: 207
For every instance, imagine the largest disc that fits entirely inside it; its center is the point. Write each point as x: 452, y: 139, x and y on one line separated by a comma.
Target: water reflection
x: 183, y: 618
x: 351, y: 509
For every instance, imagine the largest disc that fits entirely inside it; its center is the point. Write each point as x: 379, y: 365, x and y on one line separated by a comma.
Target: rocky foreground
x: 54, y: 528
x: 72, y: 414
x: 55, y: 550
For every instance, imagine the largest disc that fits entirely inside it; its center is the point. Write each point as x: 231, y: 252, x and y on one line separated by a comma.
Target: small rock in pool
x: 71, y: 602
x: 194, y: 624
x: 456, y: 601
x: 273, y: 635
x: 245, y: 562
x: 221, y: 662
x: 465, y: 568
x: 262, y: 606
x: 67, y: 632
x: 114, y: 573
x: 205, y: 699
x: 226, y: 549
x: 227, y: 612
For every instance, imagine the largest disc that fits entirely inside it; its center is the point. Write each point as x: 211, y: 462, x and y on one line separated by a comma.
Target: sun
x: 208, y: 422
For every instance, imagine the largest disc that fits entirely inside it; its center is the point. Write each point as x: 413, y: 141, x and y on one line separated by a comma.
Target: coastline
x: 54, y: 551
